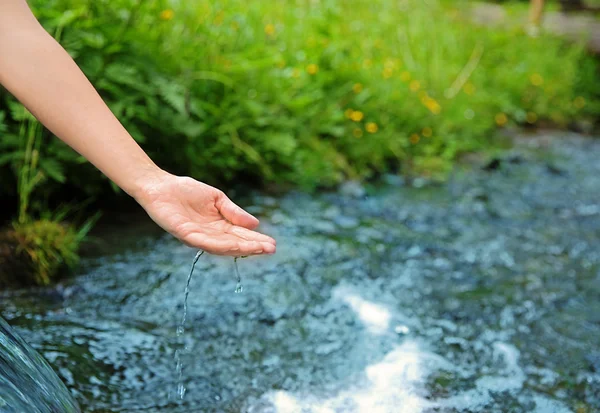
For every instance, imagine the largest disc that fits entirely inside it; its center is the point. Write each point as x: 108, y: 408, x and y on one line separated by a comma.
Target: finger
x: 234, y: 214
x: 250, y: 235
x: 227, y: 244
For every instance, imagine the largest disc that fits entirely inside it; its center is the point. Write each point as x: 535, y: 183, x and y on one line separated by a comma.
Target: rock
x: 346, y: 222
x: 393, y: 180
x: 594, y: 360
x: 353, y: 189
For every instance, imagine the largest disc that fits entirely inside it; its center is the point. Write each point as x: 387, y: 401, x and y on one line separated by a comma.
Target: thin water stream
x: 181, y: 329
x: 479, y: 295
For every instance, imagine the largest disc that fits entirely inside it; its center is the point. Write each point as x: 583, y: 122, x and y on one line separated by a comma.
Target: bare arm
x: 41, y: 74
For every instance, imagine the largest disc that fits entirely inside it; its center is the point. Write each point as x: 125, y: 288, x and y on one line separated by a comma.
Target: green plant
x: 309, y: 93
x: 49, y: 245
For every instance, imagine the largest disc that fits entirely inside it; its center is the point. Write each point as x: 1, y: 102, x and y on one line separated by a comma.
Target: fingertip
x: 268, y: 248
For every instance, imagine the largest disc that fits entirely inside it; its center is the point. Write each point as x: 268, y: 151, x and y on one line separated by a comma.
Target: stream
x: 478, y: 295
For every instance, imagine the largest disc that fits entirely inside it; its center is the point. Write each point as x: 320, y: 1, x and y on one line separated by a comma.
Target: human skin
x: 41, y: 74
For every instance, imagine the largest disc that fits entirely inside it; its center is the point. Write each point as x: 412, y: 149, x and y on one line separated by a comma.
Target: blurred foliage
x: 47, y: 246
x: 35, y: 250
x: 305, y: 92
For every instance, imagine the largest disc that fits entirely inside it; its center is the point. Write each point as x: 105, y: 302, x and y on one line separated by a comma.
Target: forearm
x: 40, y: 73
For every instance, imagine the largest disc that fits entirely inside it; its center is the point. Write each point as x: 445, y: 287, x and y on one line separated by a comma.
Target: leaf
x: 53, y: 169
x: 9, y: 157
x: 18, y: 112
x: 94, y: 40
x: 68, y: 17
x: 280, y: 142
x: 3, y: 126
x: 127, y: 76
x: 190, y: 128
x: 172, y: 93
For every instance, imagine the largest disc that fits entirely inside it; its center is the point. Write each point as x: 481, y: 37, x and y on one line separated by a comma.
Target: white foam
x: 374, y: 316
x: 393, y: 385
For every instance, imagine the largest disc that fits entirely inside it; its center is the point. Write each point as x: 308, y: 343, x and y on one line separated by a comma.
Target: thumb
x: 235, y: 214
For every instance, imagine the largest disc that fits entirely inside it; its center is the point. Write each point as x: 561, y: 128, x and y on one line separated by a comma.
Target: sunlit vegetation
x: 308, y: 93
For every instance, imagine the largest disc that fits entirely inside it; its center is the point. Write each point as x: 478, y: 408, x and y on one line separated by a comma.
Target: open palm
x: 203, y: 217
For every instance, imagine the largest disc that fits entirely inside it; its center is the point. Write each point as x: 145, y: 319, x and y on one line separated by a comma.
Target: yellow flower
x: 414, y: 138
x: 357, y: 116
x: 348, y: 113
x: 387, y: 73
x: 219, y: 18
x: 167, y: 14
x: 295, y: 73
x: 501, y: 119
x: 531, y: 117
x: 371, y: 127
x: 405, y: 76
x: 469, y: 88
x: 357, y: 88
x: 269, y: 29
x: 415, y: 85
x: 312, y: 69
x: 536, y: 79
x: 579, y: 102
x: 427, y: 132
x: 390, y: 63
x: 431, y: 104
x: 358, y: 133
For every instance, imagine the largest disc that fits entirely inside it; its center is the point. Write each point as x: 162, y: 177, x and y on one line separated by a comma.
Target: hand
x: 202, y: 216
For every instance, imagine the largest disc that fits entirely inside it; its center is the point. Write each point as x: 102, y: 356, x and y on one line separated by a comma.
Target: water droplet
x: 180, y: 330
x: 181, y: 390
x: 238, y: 286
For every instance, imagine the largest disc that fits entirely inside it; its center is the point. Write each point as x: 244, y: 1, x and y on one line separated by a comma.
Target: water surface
x: 479, y: 295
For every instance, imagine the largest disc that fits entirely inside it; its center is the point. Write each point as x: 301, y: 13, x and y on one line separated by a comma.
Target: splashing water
x: 181, y: 329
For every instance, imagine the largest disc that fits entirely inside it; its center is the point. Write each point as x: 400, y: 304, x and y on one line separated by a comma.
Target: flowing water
x: 27, y: 382
x: 480, y: 295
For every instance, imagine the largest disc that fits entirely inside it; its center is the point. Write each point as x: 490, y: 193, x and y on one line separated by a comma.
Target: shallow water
x: 479, y: 295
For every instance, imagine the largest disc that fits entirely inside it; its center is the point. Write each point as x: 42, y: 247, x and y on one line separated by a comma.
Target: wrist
x: 145, y: 186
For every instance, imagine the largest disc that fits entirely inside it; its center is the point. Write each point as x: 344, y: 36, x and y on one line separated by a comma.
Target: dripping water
x: 238, y: 287
x: 181, y: 329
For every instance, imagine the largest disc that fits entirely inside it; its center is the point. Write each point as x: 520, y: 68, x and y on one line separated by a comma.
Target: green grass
x: 310, y: 93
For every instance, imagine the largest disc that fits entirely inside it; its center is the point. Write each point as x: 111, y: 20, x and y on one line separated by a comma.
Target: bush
x: 36, y: 251
x: 309, y: 93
